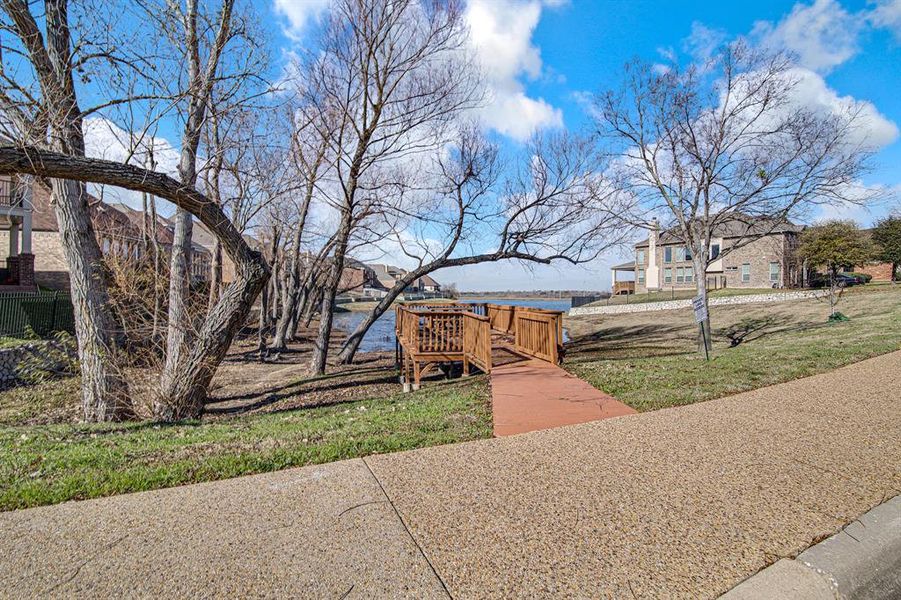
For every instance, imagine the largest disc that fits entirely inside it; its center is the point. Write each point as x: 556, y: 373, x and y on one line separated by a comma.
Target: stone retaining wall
x: 18, y: 364
x: 680, y: 304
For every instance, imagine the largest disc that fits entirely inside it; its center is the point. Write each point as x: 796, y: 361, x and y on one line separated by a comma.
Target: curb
x: 863, y: 560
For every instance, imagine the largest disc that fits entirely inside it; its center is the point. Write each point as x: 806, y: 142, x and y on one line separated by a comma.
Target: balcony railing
x: 10, y: 194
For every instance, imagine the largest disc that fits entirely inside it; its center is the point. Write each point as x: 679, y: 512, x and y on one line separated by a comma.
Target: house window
x: 668, y: 275
x: 640, y: 259
x: 689, y: 274
x: 746, y: 273
x: 680, y: 253
x: 775, y: 272
x: 714, y: 251
x: 687, y: 253
x: 641, y: 276
x: 680, y: 275
x: 667, y: 255
x: 106, y: 246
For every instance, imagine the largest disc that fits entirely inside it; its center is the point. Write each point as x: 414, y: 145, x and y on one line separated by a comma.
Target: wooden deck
x: 432, y: 335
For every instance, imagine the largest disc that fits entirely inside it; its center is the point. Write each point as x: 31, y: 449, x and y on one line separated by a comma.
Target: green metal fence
x: 43, y: 313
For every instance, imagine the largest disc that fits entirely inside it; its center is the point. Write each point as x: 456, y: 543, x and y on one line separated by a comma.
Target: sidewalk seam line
x: 407, y: 529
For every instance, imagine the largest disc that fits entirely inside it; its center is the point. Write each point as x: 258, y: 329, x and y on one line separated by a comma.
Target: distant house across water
x: 386, y: 277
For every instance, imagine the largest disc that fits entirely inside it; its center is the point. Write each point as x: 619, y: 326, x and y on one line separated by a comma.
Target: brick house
x: 16, y: 229
x: 356, y: 277
x: 663, y: 261
x: 879, y: 271
x: 164, y: 229
x: 118, y: 230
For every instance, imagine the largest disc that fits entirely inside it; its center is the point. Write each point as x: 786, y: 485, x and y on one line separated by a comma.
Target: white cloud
x: 501, y: 33
x: 874, y: 202
x: 104, y: 139
x: 703, y: 41
x: 887, y: 14
x: 299, y: 13
x: 823, y: 35
x: 873, y: 129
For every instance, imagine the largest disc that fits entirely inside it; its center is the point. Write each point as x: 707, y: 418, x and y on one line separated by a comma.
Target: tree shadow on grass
x: 307, y: 381
x: 753, y: 329
x: 331, y: 383
x: 323, y: 403
x: 655, y: 339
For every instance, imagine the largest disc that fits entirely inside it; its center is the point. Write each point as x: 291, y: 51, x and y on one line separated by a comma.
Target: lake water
x: 380, y: 336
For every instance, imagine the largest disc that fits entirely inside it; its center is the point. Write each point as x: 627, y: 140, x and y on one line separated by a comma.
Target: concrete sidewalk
x: 684, y: 502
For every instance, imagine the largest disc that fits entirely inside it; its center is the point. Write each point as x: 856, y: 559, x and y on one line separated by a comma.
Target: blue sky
x: 543, y: 57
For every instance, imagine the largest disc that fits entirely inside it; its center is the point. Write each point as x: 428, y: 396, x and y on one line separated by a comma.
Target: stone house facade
x: 746, y: 253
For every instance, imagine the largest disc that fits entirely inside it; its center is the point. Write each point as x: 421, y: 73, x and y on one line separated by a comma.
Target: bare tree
x: 187, y: 375
x: 230, y: 313
x: 387, y: 77
x: 201, y: 78
x: 726, y: 143
x: 553, y: 207
x: 309, y: 159
x: 47, y: 114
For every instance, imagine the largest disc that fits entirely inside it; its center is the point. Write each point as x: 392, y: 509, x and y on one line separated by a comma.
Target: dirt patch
x: 243, y: 384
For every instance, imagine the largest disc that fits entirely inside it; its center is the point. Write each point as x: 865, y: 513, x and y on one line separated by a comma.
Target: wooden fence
x: 41, y: 313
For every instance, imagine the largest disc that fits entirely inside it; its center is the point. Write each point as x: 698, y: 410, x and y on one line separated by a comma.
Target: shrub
x: 861, y: 277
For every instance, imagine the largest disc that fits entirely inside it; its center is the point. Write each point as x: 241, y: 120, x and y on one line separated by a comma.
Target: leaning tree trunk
x: 352, y: 343
x: 327, y: 308
x: 188, y: 390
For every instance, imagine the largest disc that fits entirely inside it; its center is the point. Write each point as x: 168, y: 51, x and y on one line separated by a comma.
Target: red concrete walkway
x: 529, y: 395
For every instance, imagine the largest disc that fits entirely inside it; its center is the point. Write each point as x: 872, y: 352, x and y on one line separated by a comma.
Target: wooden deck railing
x: 430, y: 334
x: 538, y: 334
x: 476, y: 342
x: 501, y: 317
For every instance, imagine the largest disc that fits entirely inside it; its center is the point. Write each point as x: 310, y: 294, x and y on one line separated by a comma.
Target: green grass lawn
x: 650, y: 361
x: 46, y: 464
